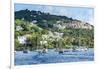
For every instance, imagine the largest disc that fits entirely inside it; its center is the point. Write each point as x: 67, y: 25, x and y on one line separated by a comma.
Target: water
x: 52, y: 57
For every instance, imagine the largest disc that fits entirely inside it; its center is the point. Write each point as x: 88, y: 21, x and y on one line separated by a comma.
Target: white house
x: 43, y: 42
x: 34, y: 21
x: 18, y: 28
x: 59, y: 26
x: 22, y: 39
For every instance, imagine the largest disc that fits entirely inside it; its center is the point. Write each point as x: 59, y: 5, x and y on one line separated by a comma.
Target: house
x: 22, y: 39
x: 34, y: 21
x: 59, y: 26
x: 18, y: 28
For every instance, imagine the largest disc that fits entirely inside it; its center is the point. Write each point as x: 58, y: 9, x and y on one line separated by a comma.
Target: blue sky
x: 80, y: 13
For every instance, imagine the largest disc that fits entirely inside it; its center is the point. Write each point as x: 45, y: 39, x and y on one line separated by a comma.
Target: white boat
x: 81, y: 49
x: 44, y: 50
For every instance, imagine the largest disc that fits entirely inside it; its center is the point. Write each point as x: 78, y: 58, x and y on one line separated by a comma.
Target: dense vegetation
x: 42, y: 26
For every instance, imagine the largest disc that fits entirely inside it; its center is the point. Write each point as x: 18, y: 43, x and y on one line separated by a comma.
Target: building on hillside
x: 18, y: 28
x: 22, y: 39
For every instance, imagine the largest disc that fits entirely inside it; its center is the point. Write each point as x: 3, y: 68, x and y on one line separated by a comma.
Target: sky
x: 81, y: 13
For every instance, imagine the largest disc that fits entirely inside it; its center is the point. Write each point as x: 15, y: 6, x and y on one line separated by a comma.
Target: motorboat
x: 25, y: 51
x: 81, y: 49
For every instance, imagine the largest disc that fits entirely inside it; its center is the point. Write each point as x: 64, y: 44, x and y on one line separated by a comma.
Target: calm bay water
x: 52, y: 57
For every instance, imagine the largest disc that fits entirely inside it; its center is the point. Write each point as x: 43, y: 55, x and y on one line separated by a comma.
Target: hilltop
x: 47, y: 20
